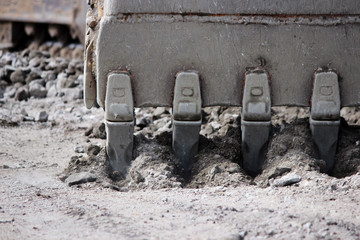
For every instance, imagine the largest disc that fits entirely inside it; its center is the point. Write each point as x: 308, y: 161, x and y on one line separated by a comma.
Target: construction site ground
x: 55, y: 182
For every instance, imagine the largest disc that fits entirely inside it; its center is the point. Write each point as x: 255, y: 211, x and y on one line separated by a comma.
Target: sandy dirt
x: 55, y: 184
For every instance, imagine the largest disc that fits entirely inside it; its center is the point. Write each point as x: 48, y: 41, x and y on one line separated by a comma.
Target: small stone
x: 91, y: 21
x: 233, y: 169
x: 215, y: 170
x: 25, y: 52
x: 32, y: 76
x: 98, y: 131
x: 71, y: 68
x: 71, y: 94
x: 22, y: 94
x: 10, y: 92
x: 24, y: 112
x: 136, y: 177
x: 65, y: 53
x: 279, y: 171
x: 3, y: 84
x: 207, y: 130
x: 37, y: 81
x: 143, y: 122
x: 89, y: 131
x: 286, y: 180
x: 80, y: 80
x: 242, y: 235
x: 71, y: 82
x: 215, y: 125
x: 54, y: 51
x: 79, y: 149
x: 43, y: 116
x: 52, y: 91
x: 93, y: 150
x: 18, y: 85
x: 35, y: 62
x: 77, y: 53
x: 61, y: 80
x: 283, y: 148
x: 49, y: 84
x: 17, y: 76
x: 159, y: 110
x: 37, y: 91
x: 9, y: 70
x: 28, y: 119
x: 2, y: 73
x: 48, y: 75
x: 80, y: 178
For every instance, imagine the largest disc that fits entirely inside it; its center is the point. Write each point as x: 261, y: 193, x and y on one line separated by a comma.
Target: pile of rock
x: 47, y: 71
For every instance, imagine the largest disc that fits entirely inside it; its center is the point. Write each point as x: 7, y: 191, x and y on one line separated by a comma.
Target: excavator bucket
x: 255, y: 54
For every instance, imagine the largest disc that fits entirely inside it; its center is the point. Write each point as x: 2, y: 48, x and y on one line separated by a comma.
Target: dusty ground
x: 41, y: 157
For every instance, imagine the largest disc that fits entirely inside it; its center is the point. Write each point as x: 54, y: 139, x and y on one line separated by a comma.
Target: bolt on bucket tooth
x: 325, y: 116
x: 255, y: 120
x: 186, y: 118
x: 119, y: 121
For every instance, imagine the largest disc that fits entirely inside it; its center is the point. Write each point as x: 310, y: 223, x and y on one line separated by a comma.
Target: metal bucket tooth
x: 186, y: 118
x: 10, y: 34
x: 119, y: 145
x: 325, y: 116
x: 255, y: 120
x: 119, y: 118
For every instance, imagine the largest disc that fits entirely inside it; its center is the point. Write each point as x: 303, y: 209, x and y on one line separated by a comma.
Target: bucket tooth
x: 255, y: 120
x: 10, y: 34
x: 119, y: 121
x: 325, y: 116
x: 186, y: 118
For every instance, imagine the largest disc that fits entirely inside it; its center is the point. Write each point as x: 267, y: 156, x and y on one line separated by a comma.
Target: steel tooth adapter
x: 255, y: 120
x: 186, y: 118
x: 325, y: 116
x: 119, y: 118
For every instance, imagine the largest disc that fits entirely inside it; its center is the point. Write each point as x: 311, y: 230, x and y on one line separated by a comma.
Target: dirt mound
x: 347, y: 160
x: 218, y: 163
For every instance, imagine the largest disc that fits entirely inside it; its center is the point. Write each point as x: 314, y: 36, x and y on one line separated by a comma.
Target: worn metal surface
x: 234, y: 6
x: 256, y: 97
x: 89, y: 81
x: 42, y: 11
x: 119, y: 99
x: 119, y: 145
x: 67, y: 12
x: 255, y: 136
x: 221, y: 48
x: 325, y: 100
x: 325, y: 135
x: 255, y: 120
x: 325, y: 116
x: 185, y: 142
x: 119, y: 122
x: 10, y: 33
x: 186, y: 118
x: 187, y: 97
